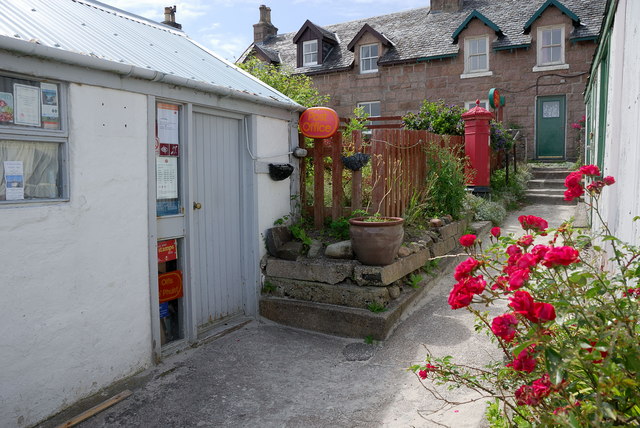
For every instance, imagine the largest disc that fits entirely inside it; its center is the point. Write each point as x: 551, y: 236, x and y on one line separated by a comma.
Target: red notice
x: 170, y: 286
x: 167, y: 250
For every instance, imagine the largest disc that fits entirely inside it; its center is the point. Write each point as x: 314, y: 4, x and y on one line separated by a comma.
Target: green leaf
x: 609, y: 411
x: 522, y: 346
x: 578, y: 278
x: 553, y: 361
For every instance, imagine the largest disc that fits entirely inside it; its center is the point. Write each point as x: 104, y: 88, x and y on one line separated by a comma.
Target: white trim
x: 471, y: 75
x: 468, y: 105
x: 550, y: 67
x: 374, y: 63
x: 369, y: 103
x: 539, y: 46
x: 311, y: 52
x: 467, y: 55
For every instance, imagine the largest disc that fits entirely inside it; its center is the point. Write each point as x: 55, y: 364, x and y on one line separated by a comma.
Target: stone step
x: 545, y: 183
x: 548, y: 199
x: 546, y: 191
x: 549, y: 173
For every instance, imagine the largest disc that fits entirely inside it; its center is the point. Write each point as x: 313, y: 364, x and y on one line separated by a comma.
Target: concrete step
x: 545, y: 183
x: 546, y: 191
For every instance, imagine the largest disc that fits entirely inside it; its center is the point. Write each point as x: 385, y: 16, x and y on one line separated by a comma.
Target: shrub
x: 436, y: 117
x: 485, y: 210
x: 446, y: 182
x: 568, y: 329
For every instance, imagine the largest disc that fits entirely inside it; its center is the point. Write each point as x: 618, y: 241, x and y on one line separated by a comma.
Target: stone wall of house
x: 401, y: 88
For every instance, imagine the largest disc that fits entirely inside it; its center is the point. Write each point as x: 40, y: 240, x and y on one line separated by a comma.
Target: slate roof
x: 418, y: 34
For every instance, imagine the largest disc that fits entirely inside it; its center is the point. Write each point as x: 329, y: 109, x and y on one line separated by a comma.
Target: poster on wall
x: 166, y: 178
x: 6, y: 107
x: 27, y: 105
x: 14, y: 178
x: 167, y: 251
x: 168, y: 124
x: 50, y: 107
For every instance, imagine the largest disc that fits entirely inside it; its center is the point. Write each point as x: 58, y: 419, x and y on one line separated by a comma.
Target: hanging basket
x: 356, y: 161
x: 280, y: 171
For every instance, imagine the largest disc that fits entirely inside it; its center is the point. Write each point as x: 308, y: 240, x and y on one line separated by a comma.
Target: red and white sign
x: 169, y: 286
x: 167, y: 250
x: 319, y: 122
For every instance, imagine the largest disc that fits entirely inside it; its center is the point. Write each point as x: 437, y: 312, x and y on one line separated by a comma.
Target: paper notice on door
x: 14, y: 179
x: 27, y: 105
x: 166, y: 178
x: 168, y: 123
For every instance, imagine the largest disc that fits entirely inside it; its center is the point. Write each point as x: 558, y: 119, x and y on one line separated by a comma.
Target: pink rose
x: 503, y: 326
x: 517, y: 278
x: 495, y: 231
x: 525, y: 241
x: 608, y: 180
x: 467, y: 240
x: 573, y: 179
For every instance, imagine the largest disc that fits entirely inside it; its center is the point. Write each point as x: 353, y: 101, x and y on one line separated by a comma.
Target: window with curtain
x: 32, y: 140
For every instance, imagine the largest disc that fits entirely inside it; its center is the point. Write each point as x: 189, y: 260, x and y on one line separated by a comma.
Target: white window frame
x: 369, y: 63
x: 366, y: 105
x: 310, y: 55
x: 41, y: 135
x: 468, y: 55
x: 560, y: 63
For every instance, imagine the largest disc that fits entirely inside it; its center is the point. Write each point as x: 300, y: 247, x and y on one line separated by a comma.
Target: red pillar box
x: 476, y: 145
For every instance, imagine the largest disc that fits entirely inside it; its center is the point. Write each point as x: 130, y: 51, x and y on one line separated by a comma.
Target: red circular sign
x: 319, y: 122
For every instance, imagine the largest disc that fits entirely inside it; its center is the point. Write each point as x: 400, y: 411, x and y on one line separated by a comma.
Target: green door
x: 550, y: 123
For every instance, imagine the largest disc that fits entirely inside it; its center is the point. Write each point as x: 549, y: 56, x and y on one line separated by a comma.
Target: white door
x: 216, y: 236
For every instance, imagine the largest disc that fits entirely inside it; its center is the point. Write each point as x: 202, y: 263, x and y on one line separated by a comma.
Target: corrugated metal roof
x: 101, y: 31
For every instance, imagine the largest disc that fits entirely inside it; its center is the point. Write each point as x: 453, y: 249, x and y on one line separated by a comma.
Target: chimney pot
x: 170, y: 17
x: 264, y: 28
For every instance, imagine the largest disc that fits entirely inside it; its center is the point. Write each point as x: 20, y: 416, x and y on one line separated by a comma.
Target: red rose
x: 525, y: 361
x: 531, y: 222
x: 527, y: 260
x: 428, y: 369
x: 500, y: 284
x: 503, y: 326
x: 544, y: 312
x: 521, y: 302
x: 573, y: 179
x: 495, y: 231
x: 595, y: 187
x: 560, y: 256
x: 538, y: 251
x: 517, y: 278
x: 464, y: 269
x: 525, y: 241
x: 542, y: 386
x: 526, y: 396
x: 467, y: 240
x: 590, y: 170
x: 608, y: 180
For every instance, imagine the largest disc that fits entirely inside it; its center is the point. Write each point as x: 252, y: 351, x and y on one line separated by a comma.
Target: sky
x: 226, y: 26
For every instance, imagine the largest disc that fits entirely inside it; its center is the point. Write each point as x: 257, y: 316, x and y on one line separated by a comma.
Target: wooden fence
x: 398, y: 170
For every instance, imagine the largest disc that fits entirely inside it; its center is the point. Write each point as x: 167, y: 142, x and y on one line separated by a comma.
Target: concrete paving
x: 267, y: 375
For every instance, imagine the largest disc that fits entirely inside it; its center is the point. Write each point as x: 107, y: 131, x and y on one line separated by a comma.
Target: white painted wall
x: 273, y: 196
x: 621, y: 202
x: 75, y: 280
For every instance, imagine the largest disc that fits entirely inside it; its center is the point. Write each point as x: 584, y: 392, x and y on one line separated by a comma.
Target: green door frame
x: 551, y: 127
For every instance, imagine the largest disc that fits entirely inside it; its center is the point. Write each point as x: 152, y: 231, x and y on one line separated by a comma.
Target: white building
x: 613, y: 112
x: 117, y: 133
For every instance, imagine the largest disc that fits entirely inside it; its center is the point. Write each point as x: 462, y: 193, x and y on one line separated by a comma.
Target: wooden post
x: 336, y: 176
x: 318, y: 184
x: 378, y: 171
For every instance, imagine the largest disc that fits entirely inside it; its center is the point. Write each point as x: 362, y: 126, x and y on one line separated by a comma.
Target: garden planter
x: 377, y: 242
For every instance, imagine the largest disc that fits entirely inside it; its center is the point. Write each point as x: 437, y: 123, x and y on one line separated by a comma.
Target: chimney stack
x: 170, y: 17
x: 264, y: 28
x: 446, y: 5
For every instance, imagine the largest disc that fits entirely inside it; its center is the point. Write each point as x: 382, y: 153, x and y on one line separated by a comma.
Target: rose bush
x: 568, y: 331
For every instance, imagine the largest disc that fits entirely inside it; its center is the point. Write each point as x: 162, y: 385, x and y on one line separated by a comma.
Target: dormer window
x: 310, y: 53
x: 369, y: 58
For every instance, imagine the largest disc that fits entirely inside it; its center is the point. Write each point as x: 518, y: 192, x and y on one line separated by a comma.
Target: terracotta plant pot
x: 376, y: 243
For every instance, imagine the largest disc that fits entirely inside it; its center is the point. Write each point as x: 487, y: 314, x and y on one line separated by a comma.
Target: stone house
x: 537, y: 53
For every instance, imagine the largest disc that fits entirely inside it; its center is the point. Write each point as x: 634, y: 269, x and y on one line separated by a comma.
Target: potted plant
x: 376, y: 239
